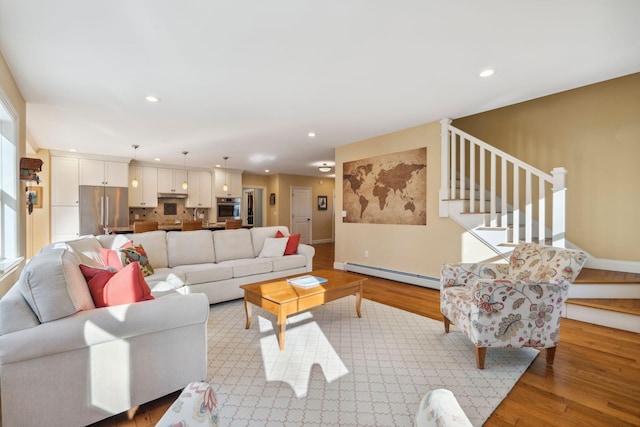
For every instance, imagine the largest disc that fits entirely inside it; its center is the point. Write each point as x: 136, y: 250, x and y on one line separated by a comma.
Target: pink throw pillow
x: 292, y: 244
x: 110, y: 288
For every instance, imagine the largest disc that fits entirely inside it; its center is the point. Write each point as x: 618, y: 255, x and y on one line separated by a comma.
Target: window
x: 9, y: 197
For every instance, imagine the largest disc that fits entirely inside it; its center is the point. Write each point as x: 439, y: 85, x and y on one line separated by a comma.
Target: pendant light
x: 185, y: 185
x: 134, y: 181
x: 225, y: 187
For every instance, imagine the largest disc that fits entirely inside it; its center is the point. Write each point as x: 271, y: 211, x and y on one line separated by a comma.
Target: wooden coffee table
x: 283, y: 299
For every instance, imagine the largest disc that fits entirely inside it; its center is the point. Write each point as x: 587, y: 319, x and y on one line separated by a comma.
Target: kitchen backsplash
x: 169, y: 211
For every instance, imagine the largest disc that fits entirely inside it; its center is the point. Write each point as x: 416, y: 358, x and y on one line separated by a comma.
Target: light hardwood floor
x: 595, y: 379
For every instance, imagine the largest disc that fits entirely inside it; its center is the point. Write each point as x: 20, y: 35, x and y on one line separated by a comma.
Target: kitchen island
x: 170, y: 227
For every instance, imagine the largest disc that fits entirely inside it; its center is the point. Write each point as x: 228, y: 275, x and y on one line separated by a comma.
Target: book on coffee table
x: 307, y: 281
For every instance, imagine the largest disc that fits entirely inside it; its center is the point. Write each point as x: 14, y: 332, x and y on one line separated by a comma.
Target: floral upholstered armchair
x: 510, y: 305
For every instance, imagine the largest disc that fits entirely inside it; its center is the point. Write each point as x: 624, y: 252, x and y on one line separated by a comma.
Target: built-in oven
x: 228, y: 208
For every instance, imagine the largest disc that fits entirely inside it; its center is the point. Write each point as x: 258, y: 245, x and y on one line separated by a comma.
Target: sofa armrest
x: 459, y: 274
x: 308, y: 251
x: 101, y: 325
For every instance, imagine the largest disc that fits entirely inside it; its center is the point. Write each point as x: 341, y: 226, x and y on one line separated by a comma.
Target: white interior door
x: 301, y: 206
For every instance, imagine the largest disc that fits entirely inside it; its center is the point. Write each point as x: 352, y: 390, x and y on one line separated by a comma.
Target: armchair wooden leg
x: 447, y: 322
x: 481, y: 352
x: 551, y: 354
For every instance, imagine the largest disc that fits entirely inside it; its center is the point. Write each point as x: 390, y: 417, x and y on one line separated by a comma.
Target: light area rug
x: 341, y: 370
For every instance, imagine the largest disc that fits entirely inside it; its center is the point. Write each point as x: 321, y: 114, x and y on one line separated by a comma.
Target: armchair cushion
x: 534, y: 262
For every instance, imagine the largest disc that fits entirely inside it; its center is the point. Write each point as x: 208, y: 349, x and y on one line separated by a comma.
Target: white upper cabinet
x: 145, y: 195
x: 233, y: 181
x: 199, y: 190
x: 170, y: 180
x: 105, y: 173
x: 64, y: 181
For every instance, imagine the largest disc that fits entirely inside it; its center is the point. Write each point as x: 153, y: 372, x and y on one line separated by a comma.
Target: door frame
x: 264, y: 200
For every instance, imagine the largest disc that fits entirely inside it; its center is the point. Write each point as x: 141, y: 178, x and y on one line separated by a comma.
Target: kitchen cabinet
x: 65, y: 223
x: 199, y: 189
x: 106, y: 173
x: 64, y: 181
x: 145, y: 195
x: 233, y: 180
x: 170, y: 181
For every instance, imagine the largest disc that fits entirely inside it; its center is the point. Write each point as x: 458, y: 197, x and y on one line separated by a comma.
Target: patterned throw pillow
x: 136, y: 253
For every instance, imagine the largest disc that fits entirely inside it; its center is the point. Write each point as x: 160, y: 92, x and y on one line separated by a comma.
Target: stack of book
x: 307, y: 281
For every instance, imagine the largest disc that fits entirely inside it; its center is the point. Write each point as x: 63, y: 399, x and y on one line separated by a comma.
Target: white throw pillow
x: 273, y: 247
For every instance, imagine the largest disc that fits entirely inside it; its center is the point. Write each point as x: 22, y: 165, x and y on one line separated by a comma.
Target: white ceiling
x: 250, y: 79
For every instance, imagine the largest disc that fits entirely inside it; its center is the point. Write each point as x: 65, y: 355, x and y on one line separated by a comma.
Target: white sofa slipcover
x: 64, y: 362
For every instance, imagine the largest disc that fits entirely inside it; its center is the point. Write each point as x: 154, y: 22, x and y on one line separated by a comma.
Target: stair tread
x: 629, y: 306
x: 596, y: 276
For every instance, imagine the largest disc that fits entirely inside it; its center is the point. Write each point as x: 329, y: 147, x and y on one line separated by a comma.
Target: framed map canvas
x: 388, y: 189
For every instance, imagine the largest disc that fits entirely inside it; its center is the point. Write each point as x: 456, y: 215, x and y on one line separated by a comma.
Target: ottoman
x: 197, y: 405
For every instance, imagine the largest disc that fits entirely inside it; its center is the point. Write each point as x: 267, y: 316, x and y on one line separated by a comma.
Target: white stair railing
x: 467, y: 164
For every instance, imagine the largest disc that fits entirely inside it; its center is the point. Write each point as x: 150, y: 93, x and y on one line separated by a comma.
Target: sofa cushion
x: 155, y: 244
x: 87, y: 249
x: 248, y: 267
x: 190, y: 247
x: 288, y: 262
x: 203, y: 273
x: 273, y: 247
x: 258, y: 234
x: 109, y: 287
x: 15, y: 313
x: 168, y: 276
x: 53, y: 285
x: 233, y: 244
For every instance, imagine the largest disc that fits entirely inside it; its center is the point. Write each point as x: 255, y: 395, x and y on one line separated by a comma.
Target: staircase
x: 502, y: 201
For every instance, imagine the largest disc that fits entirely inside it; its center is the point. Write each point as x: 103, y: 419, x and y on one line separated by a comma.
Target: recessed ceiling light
x: 487, y: 73
x: 217, y: 166
x: 311, y: 134
x: 73, y: 150
x: 266, y: 170
x: 157, y: 159
x: 152, y: 98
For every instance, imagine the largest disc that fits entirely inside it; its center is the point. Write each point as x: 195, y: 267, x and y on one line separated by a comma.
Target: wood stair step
x: 628, y: 306
x: 593, y: 275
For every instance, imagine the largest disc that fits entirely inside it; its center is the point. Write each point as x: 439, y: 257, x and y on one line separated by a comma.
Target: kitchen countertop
x: 171, y: 227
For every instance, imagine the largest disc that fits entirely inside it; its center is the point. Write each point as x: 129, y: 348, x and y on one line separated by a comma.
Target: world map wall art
x: 388, y: 189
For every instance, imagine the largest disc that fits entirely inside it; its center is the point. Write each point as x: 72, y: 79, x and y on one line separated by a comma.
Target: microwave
x: 228, y: 208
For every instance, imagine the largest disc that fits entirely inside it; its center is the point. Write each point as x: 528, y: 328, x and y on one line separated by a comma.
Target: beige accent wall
x: 280, y: 213
x: 593, y: 132
x: 11, y: 90
x: 408, y: 248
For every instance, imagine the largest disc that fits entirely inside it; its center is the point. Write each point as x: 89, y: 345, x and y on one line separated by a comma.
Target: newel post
x: 559, y: 207
x: 444, y: 168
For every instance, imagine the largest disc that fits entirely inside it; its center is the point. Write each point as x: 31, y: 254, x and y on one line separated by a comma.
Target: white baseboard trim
x: 315, y: 242
x: 613, y: 265
x: 398, y: 276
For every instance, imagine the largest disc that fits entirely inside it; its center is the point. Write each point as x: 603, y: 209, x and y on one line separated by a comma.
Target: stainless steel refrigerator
x: 103, y: 208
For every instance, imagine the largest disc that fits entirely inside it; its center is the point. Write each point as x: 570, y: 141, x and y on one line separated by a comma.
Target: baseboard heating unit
x: 398, y: 276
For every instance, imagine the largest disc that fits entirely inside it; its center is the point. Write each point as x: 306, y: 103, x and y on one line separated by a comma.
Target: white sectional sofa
x: 64, y: 362
x: 214, y: 263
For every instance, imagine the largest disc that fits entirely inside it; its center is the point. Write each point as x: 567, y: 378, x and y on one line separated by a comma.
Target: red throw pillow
x: 114, y: 288
x: 292, y: 244
x: 110, y: 258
